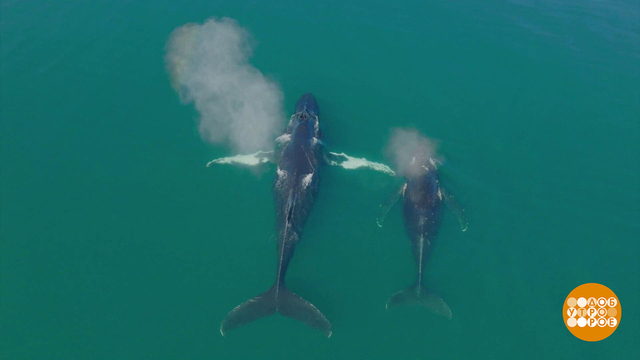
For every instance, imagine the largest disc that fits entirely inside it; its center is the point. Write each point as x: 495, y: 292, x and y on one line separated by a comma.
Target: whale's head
x: 304, y: 122
x: 421, y: 164
x: 308, y: 103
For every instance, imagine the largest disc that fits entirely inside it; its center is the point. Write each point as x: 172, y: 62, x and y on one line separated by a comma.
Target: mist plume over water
x: 209, y: 67
x: 404, y: 145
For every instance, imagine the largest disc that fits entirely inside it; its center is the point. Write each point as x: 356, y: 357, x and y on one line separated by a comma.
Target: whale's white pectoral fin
x: 452, y: 204
x: 347, y: 162
x: 384, y: 208
x: 248, y: 160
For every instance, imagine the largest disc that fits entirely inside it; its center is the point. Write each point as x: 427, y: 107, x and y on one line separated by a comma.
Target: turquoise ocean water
x: 118, y: 243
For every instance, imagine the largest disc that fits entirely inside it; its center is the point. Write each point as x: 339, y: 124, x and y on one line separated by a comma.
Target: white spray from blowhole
x: 408, y: 149
x: 209, y: 67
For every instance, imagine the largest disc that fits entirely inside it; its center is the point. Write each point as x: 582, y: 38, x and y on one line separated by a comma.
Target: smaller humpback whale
x: 422, y: 197
x: 299, y: 159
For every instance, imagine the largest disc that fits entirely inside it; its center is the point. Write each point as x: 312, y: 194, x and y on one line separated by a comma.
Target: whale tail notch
x: 278, y: 299
x: 417, y: 294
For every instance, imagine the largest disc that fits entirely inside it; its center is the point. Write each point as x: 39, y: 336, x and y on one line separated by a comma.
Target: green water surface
x: 118, y: 243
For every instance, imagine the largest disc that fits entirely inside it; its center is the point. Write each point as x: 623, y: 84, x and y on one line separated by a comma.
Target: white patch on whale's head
x: 282, y: 177
x: 306, y: 180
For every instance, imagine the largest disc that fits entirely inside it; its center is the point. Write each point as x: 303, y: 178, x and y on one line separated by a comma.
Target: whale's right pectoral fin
x: 387, y: 205
x: 349, y: 162
x: 254, y: 159
x: 451, y: 203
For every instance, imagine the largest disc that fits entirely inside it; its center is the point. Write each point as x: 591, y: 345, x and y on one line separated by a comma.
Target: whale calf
x: 422, y: 205
x: 299, y: 157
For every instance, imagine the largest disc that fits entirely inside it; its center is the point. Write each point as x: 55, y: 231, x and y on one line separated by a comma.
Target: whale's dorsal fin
x: 451, y: 203
x: 387, y: 205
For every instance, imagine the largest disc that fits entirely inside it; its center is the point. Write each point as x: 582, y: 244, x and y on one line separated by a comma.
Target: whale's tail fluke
x: 278, y: 299
x: 417, y: 294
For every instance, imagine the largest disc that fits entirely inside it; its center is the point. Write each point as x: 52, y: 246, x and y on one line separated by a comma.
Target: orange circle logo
x: 592, y: 312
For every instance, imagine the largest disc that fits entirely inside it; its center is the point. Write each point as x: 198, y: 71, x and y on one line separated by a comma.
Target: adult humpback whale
x: 422, y: 208
x: 299, y: 158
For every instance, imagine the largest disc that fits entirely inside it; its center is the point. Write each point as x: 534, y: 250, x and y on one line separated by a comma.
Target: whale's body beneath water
x: 299, y: 159
x: 423, y: 198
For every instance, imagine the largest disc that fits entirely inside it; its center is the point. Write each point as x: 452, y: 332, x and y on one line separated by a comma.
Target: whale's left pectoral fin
x: 393, y: 199
x: 254, y: 159
x: 348, y: 162
x: 451, y: 203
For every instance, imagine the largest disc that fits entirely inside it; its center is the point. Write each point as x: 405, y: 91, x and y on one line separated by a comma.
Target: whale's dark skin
x: 422, y: 210
x: 295, y: 190
x: 422, y: 206
x: 297, y: 184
